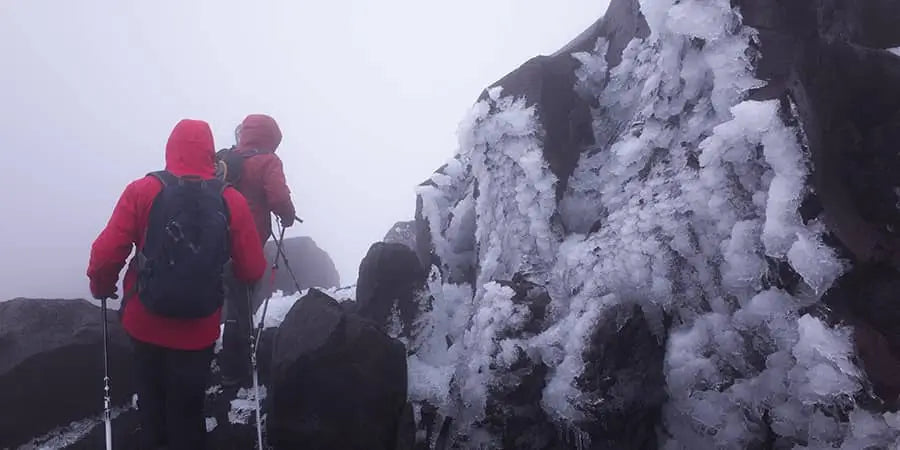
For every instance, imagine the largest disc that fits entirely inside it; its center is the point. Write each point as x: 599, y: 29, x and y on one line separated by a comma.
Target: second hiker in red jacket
x: 172, y: 355
x: 262, y: 178
x: 263, y: 183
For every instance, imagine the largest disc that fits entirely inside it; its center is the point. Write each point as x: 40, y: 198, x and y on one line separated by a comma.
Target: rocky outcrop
x: 827, y: 57
x: 865, y: 298
x: 549, y: 84
x: 691, y: 183
x: 51, y: 366
x: 338, y: 382
x: 402, y: 233
x: 389, y: 287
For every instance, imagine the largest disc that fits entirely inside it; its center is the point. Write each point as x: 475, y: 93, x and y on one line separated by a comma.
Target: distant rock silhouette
x: 312, y: 266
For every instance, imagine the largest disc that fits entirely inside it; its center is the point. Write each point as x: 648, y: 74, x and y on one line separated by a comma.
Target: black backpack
x: 186, y: 247
x: 230, y: 164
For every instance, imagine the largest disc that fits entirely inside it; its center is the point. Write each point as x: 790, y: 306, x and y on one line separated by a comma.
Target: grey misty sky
x: 368, y: 95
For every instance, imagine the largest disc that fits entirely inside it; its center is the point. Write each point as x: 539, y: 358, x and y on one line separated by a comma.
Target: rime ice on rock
x: 688, y: 196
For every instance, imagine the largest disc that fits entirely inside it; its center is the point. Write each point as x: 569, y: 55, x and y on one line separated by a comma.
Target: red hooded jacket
x: 189, y: 151
x: 262, y: 179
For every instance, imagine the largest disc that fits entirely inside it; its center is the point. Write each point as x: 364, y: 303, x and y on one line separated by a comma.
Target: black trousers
x: 234, y: 358
x: 171, y: 390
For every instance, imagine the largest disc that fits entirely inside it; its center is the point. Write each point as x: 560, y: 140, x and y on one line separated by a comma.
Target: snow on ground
x: 280, y: 304
x: 70, y: 434
x: 243, y: 407
x: 211, y: 424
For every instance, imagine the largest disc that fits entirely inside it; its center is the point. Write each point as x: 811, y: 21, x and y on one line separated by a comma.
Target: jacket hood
x: 190, y: 149
x: 260, y: 132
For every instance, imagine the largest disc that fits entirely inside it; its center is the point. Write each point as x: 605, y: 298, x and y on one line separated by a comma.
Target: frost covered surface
x: 243, y: 407
x: 280, y: 304
x: 73, y: 433
x: 696, y: 192
x: 211, y: 424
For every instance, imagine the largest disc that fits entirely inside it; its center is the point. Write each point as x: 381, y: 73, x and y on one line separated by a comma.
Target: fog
x: 368, y: 96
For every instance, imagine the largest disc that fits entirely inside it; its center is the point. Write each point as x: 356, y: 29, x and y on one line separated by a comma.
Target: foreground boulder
x: 51, y: 366
x: 338, y: 382
x: 389, y: 286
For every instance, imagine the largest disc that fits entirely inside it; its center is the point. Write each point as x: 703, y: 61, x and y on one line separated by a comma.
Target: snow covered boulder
x: 51, y: 366
x: 312, y: 266
x: 338, y: 381
x: 402, y: 233
x: 389, y: 287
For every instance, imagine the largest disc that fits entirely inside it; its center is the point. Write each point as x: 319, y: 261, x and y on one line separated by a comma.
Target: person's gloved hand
x: 111, y: 294
x: 287, y: 222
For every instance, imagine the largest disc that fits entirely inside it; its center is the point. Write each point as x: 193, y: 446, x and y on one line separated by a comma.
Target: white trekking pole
x: 106, y: 398
x: 255, y: 372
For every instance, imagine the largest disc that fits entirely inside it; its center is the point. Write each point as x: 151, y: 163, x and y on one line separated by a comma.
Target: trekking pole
x: 279, y: 246
x: 255, y: 337
x: 262, y: 318
x: 254, y: 341
x: 106, y: 399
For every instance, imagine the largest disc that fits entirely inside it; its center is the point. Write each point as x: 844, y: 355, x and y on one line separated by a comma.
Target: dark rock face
x: 826, y: 57
x: 866, y: 298
x: 390, y: 279
x: 338, y: 382
x: 623, y: 381
x: 424, y: 246
x: 51, y: 366
x: 312, y: 266
x: 548, y: 83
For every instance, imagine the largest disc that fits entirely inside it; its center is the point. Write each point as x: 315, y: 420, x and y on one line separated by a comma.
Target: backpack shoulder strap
x: 251, y: 153
x: 165, y: 177
x: 217, y: 185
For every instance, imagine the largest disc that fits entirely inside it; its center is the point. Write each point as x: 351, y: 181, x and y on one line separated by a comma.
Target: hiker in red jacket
x: 263, y: 183
x: 262, y: 178
x: 173, y: 354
